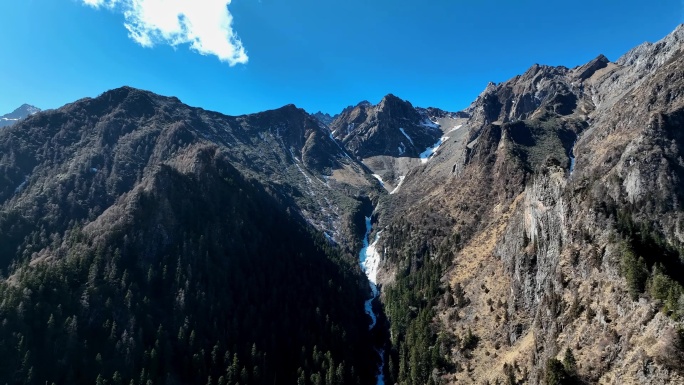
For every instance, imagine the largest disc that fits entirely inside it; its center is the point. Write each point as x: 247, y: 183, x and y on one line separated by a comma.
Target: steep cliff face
x: 393, y: 127
x: 565, y: 204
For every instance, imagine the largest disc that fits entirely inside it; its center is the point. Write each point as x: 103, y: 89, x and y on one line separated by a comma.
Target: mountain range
x: 535, y: 237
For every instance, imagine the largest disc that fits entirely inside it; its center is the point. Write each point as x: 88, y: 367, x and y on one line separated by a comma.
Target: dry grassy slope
x: 540, y: 264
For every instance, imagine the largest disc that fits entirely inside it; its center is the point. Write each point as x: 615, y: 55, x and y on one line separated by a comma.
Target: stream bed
x: 369, y: 258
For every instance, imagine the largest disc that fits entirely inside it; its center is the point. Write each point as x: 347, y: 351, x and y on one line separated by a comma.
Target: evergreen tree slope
x: 195, y: 275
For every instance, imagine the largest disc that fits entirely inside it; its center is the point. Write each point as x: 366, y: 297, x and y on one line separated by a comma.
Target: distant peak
x: 28, y: 109
x: 22, y: 112
x: 25, y: 110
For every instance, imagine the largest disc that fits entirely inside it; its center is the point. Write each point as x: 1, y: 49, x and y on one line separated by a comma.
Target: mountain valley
x: 536, y: 237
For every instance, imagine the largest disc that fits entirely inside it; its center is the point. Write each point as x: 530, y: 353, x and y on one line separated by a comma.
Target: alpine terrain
x: 536, y: 237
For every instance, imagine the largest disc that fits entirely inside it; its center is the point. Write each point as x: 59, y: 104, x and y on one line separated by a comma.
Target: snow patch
x: 429, y: 123
x: 401, y: 148
x: 430, y: 151
x: 455, y: 128
x: 406, y: 135
x: 379, y: 178
x: 332, y: 137
x: 401, y: 181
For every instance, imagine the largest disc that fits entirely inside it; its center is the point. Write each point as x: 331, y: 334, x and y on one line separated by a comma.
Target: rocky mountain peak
x: 390, y: 98
x: 397, y: 108
x: 586, y: 71
x: 601, y: 58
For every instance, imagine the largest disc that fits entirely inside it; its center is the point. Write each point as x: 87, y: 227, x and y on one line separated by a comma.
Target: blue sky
x: 318, y: 54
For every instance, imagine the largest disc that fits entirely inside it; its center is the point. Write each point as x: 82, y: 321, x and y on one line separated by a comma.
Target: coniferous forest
x: 226, y: 289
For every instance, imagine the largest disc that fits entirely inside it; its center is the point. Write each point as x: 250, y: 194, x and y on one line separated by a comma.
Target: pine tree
x: 569, y: 362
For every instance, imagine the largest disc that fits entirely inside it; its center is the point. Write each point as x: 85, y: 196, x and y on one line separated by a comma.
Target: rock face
x: 566, y: 199
x: 393, y: 127
x: 324, y: 118
x: 392, y: 137
x: 18, y: 114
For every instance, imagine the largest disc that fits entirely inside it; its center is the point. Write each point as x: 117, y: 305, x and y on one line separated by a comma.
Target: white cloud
x: 206, y: 25
x: 93, y: 3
